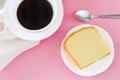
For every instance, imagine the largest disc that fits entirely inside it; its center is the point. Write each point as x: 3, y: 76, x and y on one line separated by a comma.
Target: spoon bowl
x: 84, y: 15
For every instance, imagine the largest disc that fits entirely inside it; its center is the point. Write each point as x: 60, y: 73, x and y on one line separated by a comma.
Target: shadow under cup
x: 35, y: 14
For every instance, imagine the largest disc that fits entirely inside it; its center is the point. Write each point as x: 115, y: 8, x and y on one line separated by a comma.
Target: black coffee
x: 35, y: 14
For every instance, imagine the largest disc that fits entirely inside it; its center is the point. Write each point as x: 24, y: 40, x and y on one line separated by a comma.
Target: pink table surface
x: 44, y: 62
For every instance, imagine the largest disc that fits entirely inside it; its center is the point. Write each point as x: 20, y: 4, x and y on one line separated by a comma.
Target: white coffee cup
x: 13, y: 29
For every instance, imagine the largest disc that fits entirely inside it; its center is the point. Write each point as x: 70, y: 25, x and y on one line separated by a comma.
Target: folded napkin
x: 11, y: 46
x: 9, y: 49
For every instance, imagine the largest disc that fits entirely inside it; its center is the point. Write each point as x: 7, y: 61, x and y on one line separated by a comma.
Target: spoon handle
x: 114, y: 16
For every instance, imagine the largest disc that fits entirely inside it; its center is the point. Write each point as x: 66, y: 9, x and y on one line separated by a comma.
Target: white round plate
x: 97, y: 67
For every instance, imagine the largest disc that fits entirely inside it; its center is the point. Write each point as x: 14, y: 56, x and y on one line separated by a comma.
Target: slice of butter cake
x: 85, y: 46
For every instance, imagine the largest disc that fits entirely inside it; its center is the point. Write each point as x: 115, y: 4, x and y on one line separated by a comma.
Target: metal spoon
x: 86, y: 16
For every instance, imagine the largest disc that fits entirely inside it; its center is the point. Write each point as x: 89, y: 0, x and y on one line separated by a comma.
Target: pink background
x: 44, y: 62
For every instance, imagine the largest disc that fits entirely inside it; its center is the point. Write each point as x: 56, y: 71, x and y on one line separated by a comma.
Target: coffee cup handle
x: 5, y: 34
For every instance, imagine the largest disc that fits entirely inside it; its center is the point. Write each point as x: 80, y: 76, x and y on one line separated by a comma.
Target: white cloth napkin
x: 9, y: 49
x: 11, y: 46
